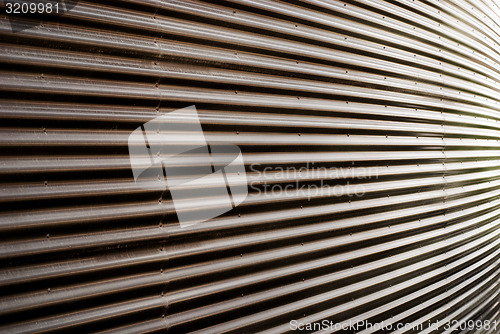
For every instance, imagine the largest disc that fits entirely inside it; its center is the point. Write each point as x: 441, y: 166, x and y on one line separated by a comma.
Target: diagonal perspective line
x: 147, y: 143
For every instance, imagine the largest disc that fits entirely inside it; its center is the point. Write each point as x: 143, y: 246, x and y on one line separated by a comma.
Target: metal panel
x: 370, y: 134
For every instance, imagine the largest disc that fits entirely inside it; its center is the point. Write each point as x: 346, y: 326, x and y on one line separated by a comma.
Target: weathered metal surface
x: 392, y: 104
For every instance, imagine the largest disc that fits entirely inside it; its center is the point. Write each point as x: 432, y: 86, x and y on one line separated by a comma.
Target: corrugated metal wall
x: 400, y: 97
